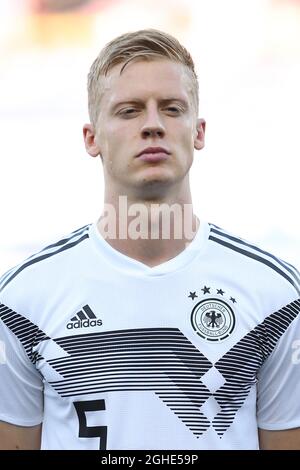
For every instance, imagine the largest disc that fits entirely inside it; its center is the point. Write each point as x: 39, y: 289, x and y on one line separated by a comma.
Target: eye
x: 128, y: 112
x: 173, y: 110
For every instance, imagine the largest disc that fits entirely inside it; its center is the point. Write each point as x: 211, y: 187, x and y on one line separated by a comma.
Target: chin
x: 155, y: 175
x: 157, y: 180
x: 153, y: 188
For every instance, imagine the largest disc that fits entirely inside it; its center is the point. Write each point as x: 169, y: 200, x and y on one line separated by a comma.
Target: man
x: 149, y: 330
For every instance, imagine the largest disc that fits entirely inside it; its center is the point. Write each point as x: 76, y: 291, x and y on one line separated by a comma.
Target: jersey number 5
x: 93, y: 431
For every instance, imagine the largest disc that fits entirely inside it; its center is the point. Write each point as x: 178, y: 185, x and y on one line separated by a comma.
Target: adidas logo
x: 85, y: 318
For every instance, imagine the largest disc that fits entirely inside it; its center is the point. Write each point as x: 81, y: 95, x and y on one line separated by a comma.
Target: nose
x: 153, y: 125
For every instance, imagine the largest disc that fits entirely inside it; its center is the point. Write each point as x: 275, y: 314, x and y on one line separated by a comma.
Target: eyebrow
x: 136, y: 101
x: 178, y: 100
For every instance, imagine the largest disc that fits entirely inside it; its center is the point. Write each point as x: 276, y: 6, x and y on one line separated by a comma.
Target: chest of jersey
x: 186, y: 343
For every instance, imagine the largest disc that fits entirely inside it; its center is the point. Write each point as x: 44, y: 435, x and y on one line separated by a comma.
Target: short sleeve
x: 278, y: 403
x: 21, y: 385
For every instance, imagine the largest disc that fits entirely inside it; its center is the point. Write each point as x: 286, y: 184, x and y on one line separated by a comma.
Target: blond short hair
x: 146, y: 44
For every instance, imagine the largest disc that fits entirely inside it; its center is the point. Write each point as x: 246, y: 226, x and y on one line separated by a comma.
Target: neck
x: 151, y: 231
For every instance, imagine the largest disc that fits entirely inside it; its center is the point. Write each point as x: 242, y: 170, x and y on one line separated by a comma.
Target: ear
x: 199, y: 140
x: 89, y: 136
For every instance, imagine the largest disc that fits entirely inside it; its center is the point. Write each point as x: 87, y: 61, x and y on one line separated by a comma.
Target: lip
x: 153, y: 154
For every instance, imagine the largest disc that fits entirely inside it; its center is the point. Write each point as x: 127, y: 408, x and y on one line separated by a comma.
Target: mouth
x: 153, y: 154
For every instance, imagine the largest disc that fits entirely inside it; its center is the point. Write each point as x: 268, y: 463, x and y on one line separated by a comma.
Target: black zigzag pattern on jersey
x: 288, y: 272
x: 65, y: 243
x: 168, y: 364
x: 28, y: 333
x: 239, y: 366
x: 161, y: 360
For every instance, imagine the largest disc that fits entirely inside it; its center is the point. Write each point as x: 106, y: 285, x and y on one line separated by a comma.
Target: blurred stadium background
x: 247, y: 54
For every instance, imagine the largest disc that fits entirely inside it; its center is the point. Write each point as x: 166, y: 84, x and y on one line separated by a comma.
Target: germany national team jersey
x: 109, y: 353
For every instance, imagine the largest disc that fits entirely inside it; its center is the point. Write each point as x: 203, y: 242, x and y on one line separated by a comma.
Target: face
x: 147, y: 128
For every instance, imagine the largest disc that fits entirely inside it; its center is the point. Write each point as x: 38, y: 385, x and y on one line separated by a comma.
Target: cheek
x: 185, y: 145
x: 107, y: 139
x: 185, y: 138
x: 114, y: 143
x: 116, y: 134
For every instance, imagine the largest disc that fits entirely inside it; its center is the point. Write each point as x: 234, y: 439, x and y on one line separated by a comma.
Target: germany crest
x: 213, y: 319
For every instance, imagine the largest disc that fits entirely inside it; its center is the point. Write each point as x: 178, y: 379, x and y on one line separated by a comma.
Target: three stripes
x: 84, y: 314
x: 64, y: 244
x: 251, y: 251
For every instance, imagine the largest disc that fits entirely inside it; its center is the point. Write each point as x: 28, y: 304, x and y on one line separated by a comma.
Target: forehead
x: 144, y: 79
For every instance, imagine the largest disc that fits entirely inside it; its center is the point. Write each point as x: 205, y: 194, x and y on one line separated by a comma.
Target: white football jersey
x: 195, y: 353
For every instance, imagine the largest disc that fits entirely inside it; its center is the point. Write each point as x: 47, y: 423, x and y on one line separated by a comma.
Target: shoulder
x: 256, y: 260
x: 41, y: 262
